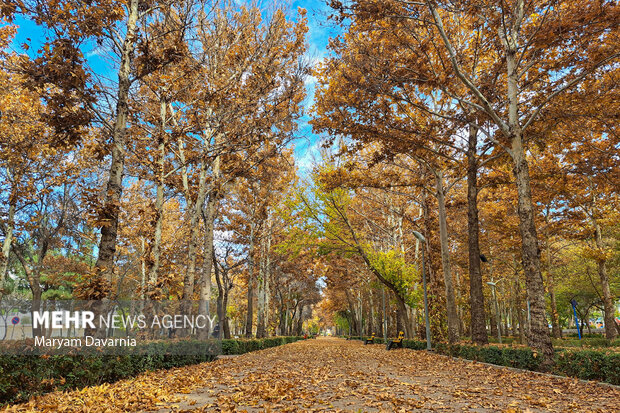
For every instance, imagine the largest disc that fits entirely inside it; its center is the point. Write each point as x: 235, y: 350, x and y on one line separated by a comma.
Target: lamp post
x: 497, y: 318
x: 421, y: 238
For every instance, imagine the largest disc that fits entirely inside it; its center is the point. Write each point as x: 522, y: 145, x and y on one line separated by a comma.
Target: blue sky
x: 320, y: 30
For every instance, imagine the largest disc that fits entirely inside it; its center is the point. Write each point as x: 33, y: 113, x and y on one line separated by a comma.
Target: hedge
x: 23, y: 376
x: 589, y: 365
x: 587, y: 342
x: 598, y: 365
x: 232, y: 346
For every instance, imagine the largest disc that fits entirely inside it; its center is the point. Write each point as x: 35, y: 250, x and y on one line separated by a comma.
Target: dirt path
x: 336, y: 375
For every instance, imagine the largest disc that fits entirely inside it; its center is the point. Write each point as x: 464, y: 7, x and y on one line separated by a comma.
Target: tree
x: 524, y: 40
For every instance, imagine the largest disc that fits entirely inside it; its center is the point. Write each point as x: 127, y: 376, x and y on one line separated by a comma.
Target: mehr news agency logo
x: 87, y: 320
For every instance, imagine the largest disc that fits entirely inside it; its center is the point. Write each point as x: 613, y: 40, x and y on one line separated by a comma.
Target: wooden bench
x: 370, y: 340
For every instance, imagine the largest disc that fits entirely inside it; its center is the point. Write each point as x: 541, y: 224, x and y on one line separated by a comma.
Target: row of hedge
x: 586, y: 342
x: 592, y: 341
x: 598, y: 365
x: 23, y: 376
x: 233, y: 346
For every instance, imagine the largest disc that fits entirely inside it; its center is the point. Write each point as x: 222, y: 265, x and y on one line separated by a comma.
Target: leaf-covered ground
x: 336, y: 375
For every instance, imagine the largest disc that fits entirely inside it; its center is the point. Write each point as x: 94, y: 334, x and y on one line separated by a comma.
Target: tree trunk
x: 492, y: 320
x: 6, y: 245
x: 192, y: 251
x: 159, y: 202
x: 608, y: 302
x: 33, y: 276
x: 556, y: 331
x: 220, y: 295
x: 225, y: 323
x: 300, y: 322
x: 250, y: 296
x: 263, y: 286
x: 477, y: 323
x: 111, y: 207
x: 353, y: 323
x: 538, y: 336
x: 453, y: 322
x: 555, y: 324
x: 262, y: 276
x: 282, y: 323
x: 208, y: 217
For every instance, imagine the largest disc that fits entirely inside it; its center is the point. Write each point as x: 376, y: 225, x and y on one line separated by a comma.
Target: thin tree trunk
x: 111, y: 207
x: 453, y: 322
x: 555, y: 324
x: 226, y: 324
x: 267, y: 279
x: 608, y: 303
x: 477, y: 323
x: 352, y: 310
x: 220, y: 296
x: 142, y: 268
x: 6, y: 245
x: 159, y: 201
x: 250, y: 296
x: 190, y: 275
x: 208, y: 217
x: 260, y: 308
x: 282, y: 322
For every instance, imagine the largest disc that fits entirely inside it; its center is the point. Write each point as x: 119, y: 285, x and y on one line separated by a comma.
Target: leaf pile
x: 337, y: 375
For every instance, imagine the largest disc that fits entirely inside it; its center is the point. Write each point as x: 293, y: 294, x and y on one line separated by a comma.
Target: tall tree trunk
x: 219, y: 302
x: 192, y: 251
x: 220, y: 296
x: 453, y: 322
x: 262, y: 279
x: 555, y: 324
x: 477, y: 323
x: 111, y: 207
x: 282, y: 322
x: 159, y: 201
x: 267, y: 282
x: 208, y: 217
x: 6, y: 244
x: 492, y: 320
x: 538, y: 336
x: 556, y: 331
x: 300, y: 321
x: 263, y: 314
x: 33, y: 276
x: 608, y: 303
x: 143, y: 280
x: 226, y: 323
x: 250, y: 296
x: 352, y: 310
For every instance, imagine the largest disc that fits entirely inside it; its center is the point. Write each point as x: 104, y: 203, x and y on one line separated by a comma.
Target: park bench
x: 370, y: 340
x: 397, y: 342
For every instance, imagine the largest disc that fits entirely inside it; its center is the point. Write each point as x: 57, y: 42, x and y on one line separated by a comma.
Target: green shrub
x: 23, y: 376
x: 584, y: 335
x: 230, y: 346
x: 587, y: 342
x: 589, y: 365
x: 414, y: 344
x: 583, y: 364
